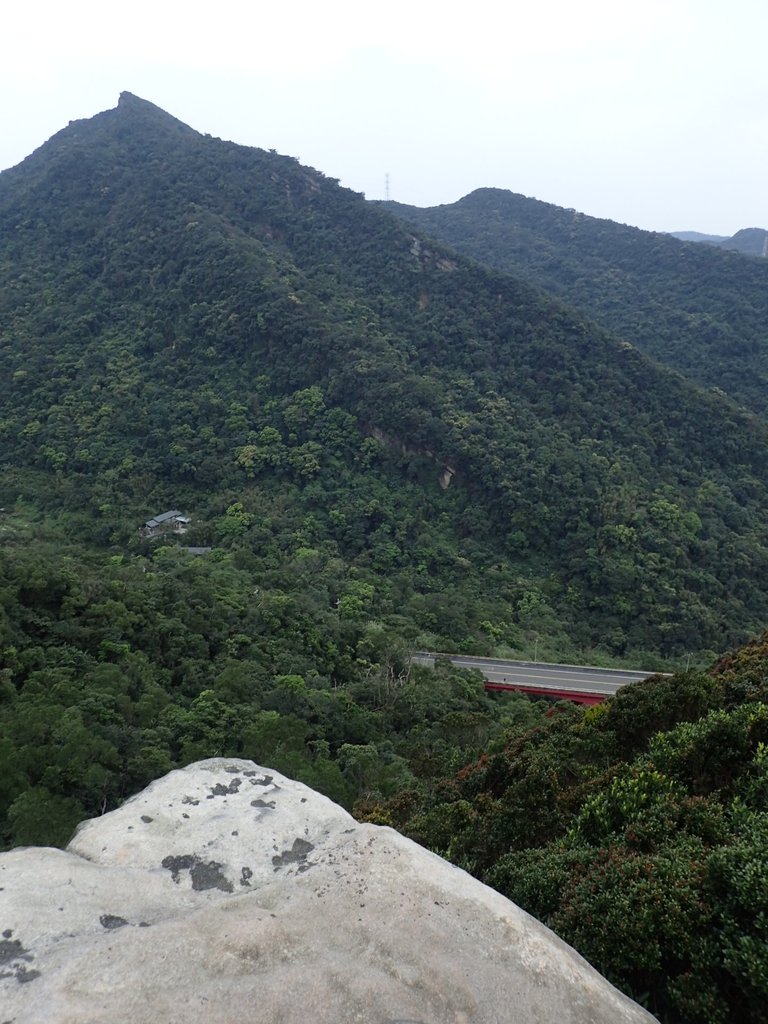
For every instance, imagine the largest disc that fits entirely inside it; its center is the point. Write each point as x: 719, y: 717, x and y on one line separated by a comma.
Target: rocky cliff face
x: 228, y: 893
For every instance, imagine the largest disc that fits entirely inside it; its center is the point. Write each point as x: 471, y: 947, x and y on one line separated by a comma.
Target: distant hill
x: 751, y: 241
x: 697, y: 236
x: 187, y: 323
x: 696, y: 308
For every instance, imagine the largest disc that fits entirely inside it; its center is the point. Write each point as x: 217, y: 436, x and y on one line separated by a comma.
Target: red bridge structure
x: 582, y: 684
x: 577, y: 696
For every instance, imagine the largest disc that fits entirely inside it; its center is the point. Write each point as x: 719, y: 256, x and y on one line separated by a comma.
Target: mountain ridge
x: 696, y: 308
x: 194, y: 292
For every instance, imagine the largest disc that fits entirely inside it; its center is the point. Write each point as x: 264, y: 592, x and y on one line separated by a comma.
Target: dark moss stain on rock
x: 146, y: 818
x: 296, y: 855
x: 269, y: 804
x: 176, y: 864
x: 204, y: 874
x: 12, y: 949
x: 112, y: 921
x: 209, y: 876
x: 245, y: 876
x: 24, y: 974
x: 12, y: 955
x: 265, y: 780
x: 190, y: 800
x: 221, y: 790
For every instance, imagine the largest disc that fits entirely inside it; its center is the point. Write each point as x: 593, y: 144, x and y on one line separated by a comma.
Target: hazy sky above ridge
x: 653, y: 114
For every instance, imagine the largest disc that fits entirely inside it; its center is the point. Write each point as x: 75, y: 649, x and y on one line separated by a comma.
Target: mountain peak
x: 128, y: 98
x: 150, y: 113
x: 127, y: 101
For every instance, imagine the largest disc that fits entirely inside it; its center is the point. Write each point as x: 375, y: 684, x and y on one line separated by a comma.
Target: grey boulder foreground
x: 226, y: 893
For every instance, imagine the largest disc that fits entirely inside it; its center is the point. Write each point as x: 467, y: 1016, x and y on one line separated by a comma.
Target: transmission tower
x: 386, y: 186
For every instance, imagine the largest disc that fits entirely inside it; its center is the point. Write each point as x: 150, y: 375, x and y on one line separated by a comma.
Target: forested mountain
x: 696, y: 308
x: 187, y: 321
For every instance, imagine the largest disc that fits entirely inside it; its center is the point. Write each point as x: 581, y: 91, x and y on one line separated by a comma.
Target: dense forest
x: 186, y: 322
x: 636, y: 829
x: 380, y: 446
x: 117, y: 669
x: 699, y: 309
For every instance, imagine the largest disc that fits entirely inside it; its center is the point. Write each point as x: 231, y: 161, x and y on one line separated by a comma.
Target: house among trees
x: 166, y: 522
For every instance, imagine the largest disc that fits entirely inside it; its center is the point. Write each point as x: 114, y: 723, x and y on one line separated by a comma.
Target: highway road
x: 573, y: 678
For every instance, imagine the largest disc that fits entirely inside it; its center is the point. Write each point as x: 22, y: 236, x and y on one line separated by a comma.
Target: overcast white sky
x: 652, y: 113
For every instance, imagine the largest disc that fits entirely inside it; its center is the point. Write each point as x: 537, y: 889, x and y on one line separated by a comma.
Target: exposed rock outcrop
x: 447, y: 471
x: 227, y: 893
